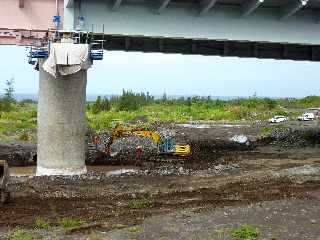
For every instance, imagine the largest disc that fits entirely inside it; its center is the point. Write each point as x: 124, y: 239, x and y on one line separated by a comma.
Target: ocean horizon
x: 93, y: 97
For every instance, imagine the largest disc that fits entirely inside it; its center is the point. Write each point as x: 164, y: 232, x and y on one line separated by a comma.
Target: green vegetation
x: 135, y: 229
x: 7, y: 100
x: 41, y: 223
x: 70, y: 222
x: 130, y: 105
x: 19, y: 234
x: 100, y: 105
x: 140, y: 203
x: 245, y: 232
x: 18, y: 120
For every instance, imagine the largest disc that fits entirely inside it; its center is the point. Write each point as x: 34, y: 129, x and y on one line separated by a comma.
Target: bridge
x: 286, y: 29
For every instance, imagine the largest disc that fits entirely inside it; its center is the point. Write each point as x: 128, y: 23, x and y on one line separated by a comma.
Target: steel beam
x: 249, y: 6
x: 162, y: 5
x: 206, y: 5
x: 292, y: 8
x: 116, y: 5
x: 70, y: 4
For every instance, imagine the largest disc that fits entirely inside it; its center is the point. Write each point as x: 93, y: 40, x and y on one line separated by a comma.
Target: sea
x: 93, y: 97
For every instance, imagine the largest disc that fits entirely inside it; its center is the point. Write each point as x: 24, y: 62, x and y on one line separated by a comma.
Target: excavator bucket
x: 182, y: 150
x: 4, y: 176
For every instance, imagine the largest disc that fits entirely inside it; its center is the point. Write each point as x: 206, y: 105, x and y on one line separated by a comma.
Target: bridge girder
x: 292, y: 8
x: 206, y: 5
x: 249, y: 6
x: 116, y: 5
x: 162, y: 5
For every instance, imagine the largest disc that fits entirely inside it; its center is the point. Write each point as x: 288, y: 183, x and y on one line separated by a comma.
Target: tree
x: 8, y: 98
x: 101, y: 105
x: 164, y: 97
x: 9, y: 90
x: 130, y: 101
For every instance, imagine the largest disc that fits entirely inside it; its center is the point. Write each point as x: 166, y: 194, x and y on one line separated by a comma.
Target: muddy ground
x: 264, y: 184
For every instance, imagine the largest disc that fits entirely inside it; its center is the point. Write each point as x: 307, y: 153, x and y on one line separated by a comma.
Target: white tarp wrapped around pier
x: 67, y: 58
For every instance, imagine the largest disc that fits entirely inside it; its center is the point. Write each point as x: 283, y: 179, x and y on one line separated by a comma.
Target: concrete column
x: 61, y: 124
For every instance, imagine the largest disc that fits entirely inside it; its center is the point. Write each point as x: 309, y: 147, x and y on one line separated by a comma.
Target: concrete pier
x: 61, y: 124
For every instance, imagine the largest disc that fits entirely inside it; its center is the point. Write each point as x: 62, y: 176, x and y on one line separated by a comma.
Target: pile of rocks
x: 18, y: 153
x: 126, y: 147
x: 293, y: 138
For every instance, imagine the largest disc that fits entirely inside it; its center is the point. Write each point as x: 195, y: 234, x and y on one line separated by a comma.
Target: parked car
x: 278, y: 119
x: 306, y: 117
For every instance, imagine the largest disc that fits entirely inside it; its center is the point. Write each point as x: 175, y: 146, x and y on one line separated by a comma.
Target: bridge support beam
x: 61, y: 124
x: 250, y: 6
x: 206, y: 5
x: 162, y: 5
x: 116, y: 5
x: 292, y: 8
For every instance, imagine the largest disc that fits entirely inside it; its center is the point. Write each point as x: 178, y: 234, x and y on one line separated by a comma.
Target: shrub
x: 5, y: 105
x: 130, y: 101
x: 246, y: 232
x: 140, y: 203
x: 70, y: 222
x: 101, y: 105
x: 25, y: 136
x: 41, y: 223
x: 19, y: 234
x: 271, y: 103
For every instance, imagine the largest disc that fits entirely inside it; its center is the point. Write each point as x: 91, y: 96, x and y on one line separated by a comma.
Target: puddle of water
x: 109, y: 170
x: 188, y: 125
x: 121, y: 171
x: 22, y: 171
x: 203, y: 126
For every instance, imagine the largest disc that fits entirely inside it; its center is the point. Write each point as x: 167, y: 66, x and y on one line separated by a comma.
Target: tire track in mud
x: 104, y: 203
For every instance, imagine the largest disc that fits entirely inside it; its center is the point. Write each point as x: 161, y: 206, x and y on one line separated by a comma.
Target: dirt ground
x: 277, y: 190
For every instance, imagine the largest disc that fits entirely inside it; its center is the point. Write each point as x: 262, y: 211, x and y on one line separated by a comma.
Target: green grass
x: 70, y: 222
x: 245, y: 232
x: 16, y: 124
x: 21, y: 121
x: 19, y: 234
x: 41, y: 223
x: 140, y: 203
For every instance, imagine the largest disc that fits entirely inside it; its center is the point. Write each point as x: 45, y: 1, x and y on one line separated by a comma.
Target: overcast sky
x: 177, y: 75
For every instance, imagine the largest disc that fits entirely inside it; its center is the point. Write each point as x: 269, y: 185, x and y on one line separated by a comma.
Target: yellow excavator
x: 165, y: 145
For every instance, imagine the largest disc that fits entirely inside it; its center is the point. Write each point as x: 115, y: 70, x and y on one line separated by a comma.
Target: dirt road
x: 275, y: 189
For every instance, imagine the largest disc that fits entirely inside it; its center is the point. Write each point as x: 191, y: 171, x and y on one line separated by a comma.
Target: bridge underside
x: 286, y: 29
x: 247, y: 49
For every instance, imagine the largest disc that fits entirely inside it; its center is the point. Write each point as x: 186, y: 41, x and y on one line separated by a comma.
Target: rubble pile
x: 126, y: 147
x: 294, y: 137
x: 18, y: 153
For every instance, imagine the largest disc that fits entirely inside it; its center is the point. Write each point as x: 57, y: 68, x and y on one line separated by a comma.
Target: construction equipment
x: 165, y: 145
x: 4, y: 176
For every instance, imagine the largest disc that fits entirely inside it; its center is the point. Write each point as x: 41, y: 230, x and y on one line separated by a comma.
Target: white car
x: 307, y: 117
x: 278, y: 119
